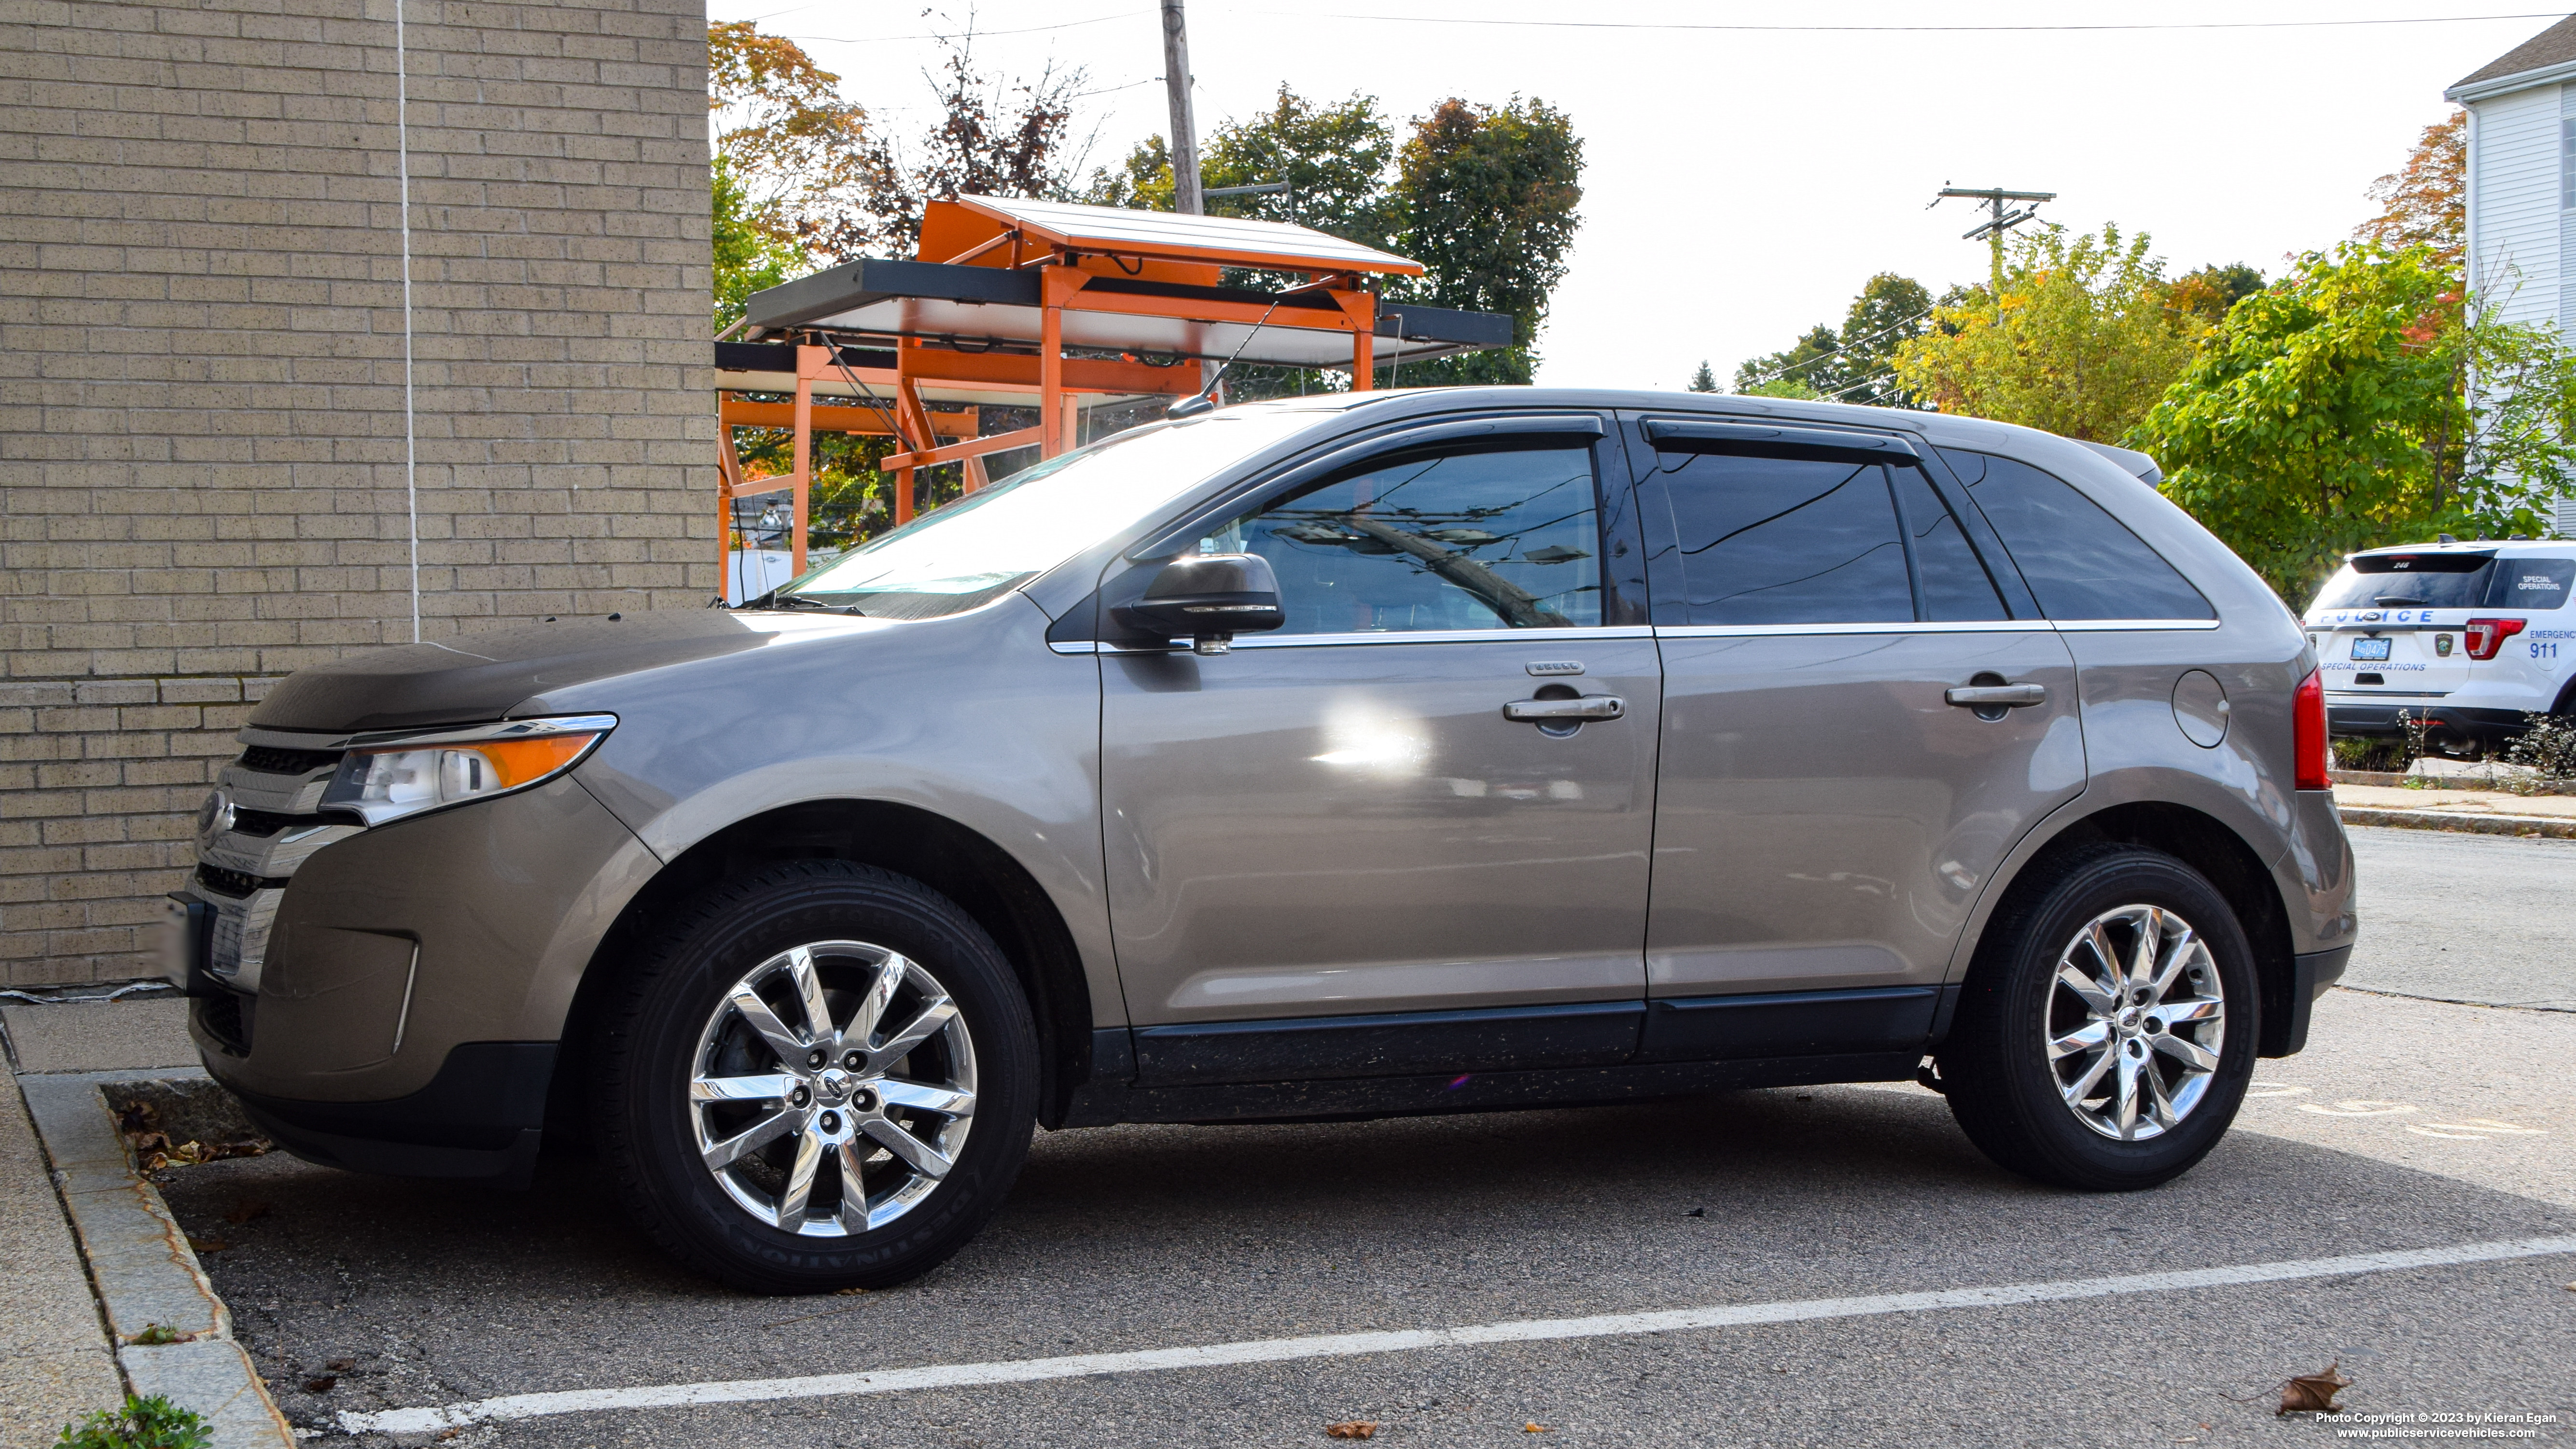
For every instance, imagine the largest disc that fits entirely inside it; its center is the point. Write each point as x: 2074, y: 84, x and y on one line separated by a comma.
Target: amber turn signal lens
x: 516, y: 762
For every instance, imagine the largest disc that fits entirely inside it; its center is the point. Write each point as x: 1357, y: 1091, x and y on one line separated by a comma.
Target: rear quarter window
x: 2080, y: 562
x: 2531, y: 583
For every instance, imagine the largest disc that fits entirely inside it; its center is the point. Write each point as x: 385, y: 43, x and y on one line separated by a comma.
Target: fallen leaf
x: 208, y: 1245
x: 1533, y: 1428
x: 246, y: 1210
x: 2314, y: 1393
x: 341, y: 1365
x: 321, y: 1383
x: 446, y: 1434
x: 1352, y: 1429
x: 846, y: 1292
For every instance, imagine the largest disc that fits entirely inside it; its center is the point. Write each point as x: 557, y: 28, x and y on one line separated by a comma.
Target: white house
x: 2522, y: 186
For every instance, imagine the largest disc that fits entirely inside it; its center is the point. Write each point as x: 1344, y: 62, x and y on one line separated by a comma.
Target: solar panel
x: 1232, y: 240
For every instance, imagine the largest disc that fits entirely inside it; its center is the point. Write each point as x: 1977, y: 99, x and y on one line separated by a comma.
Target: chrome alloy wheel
x: 838, y: 1051
x: 2136, y: 1021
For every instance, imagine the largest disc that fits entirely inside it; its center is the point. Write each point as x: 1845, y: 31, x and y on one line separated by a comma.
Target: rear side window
x: 1787, y: 541
x: 1953, y: 583
x: 2531, y: 583
x: 2080, y: 562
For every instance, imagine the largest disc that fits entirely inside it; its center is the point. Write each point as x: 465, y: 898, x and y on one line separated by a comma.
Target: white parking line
x: 1344, y: 1345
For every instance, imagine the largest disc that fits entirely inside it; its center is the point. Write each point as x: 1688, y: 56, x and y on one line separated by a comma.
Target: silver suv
x: 1327, y: 757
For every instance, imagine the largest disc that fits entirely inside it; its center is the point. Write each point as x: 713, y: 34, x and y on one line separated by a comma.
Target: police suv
x: 2471, y: 638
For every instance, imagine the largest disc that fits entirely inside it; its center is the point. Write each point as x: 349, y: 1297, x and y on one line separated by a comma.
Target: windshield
x: 972, y: 550
x: 2408, y: 581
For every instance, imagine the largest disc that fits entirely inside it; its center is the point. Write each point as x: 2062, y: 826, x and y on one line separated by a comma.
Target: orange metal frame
x: 968, y: 233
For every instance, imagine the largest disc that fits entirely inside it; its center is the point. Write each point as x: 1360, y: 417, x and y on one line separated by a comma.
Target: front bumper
x: 482, y: 1116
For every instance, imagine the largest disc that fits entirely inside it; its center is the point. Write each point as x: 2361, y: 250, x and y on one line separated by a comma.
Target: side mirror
x: 1208, y: 598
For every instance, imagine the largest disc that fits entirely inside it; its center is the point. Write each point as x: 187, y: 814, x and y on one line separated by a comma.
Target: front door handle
x: 1990, y: 696
x: 1559, y: 711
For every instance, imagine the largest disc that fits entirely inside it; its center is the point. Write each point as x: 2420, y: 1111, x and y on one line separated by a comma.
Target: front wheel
x: 826, y: 1078
x: 2107, y: 1031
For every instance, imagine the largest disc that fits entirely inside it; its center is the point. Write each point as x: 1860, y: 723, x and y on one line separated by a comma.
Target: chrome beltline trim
x: 2108, y: 626
x: 1771, y: 631
x: 1446, y: 636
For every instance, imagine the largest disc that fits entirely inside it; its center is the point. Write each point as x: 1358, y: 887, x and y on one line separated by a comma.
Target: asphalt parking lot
x: 2409, y: 1124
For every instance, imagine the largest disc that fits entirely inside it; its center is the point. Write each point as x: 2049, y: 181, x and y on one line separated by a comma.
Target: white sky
x: 1740, y: 186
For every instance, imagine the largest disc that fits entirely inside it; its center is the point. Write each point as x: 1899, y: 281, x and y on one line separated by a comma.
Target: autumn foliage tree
x: 2083, y: 341
x: 2425, y: 203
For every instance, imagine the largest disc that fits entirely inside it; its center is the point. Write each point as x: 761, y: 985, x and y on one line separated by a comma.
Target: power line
x: 1843, y: 349
x: 964, y: 35
x: 1923, y: 29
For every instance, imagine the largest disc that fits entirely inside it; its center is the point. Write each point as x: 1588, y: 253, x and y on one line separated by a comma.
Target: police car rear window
x: 2410, y: 581
x: 2450, y: 581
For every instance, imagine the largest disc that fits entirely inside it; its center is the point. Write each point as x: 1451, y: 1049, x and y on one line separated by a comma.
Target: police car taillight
x: 2485, y: 636
x: 2308, y: 733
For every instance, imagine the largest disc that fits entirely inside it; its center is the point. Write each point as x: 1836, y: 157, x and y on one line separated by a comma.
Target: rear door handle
x: 1992, y: 696
x: 1554, y: 711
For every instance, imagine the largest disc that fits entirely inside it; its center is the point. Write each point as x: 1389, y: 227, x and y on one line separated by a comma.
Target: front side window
x: 2080, y: 562
x: 1490, y: 538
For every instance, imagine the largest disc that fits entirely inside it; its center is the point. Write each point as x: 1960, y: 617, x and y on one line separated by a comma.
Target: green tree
x: 1703, y: 380
x: 1855, y: 364
x: 2358, y: 402
x: 1489, y: 196
x: 2084, y: 342
x: 2211, y: 291
x: 1483, y: 196
x: 748, y: 258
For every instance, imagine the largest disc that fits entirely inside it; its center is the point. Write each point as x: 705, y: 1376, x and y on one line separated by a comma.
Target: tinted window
x: 1446, y: 540
x: 1787, y: 541
x: 1954, y: 583
x: 2406, y: 581
x: 2531, y: 583
x: 2079, y: 561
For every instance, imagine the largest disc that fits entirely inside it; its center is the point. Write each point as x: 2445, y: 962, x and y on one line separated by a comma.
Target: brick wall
x: 202, y: 463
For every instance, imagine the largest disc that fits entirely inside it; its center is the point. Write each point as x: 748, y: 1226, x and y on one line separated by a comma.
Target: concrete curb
x: 2546, y: 827
x: 145, y: 1271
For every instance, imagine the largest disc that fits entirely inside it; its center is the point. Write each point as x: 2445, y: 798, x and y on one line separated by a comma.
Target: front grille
x: 265, y: 823
x: 233, y: 883
x: 271, y: 760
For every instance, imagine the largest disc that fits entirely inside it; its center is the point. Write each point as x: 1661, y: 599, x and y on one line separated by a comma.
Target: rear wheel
x: 825, y: 1079
x: 2107, y: 1033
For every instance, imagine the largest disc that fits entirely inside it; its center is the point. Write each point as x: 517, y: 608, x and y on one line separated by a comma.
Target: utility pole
x: 1995, y: 225
x: 1185, y: 136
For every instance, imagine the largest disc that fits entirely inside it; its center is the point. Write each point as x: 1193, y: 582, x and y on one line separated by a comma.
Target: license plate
x: 179, y: 938
x: 2369, y: 649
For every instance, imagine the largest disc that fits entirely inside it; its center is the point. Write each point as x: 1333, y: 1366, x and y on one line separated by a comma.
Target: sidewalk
x: 2496, y: 812
x: 56, y: 1362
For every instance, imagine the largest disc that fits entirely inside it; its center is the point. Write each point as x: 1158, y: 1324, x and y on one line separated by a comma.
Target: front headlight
x: 390, y: 776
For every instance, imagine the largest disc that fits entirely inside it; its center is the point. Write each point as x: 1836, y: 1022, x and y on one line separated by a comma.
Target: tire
x: 2011, y: 1096
x: 687, y: 1071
